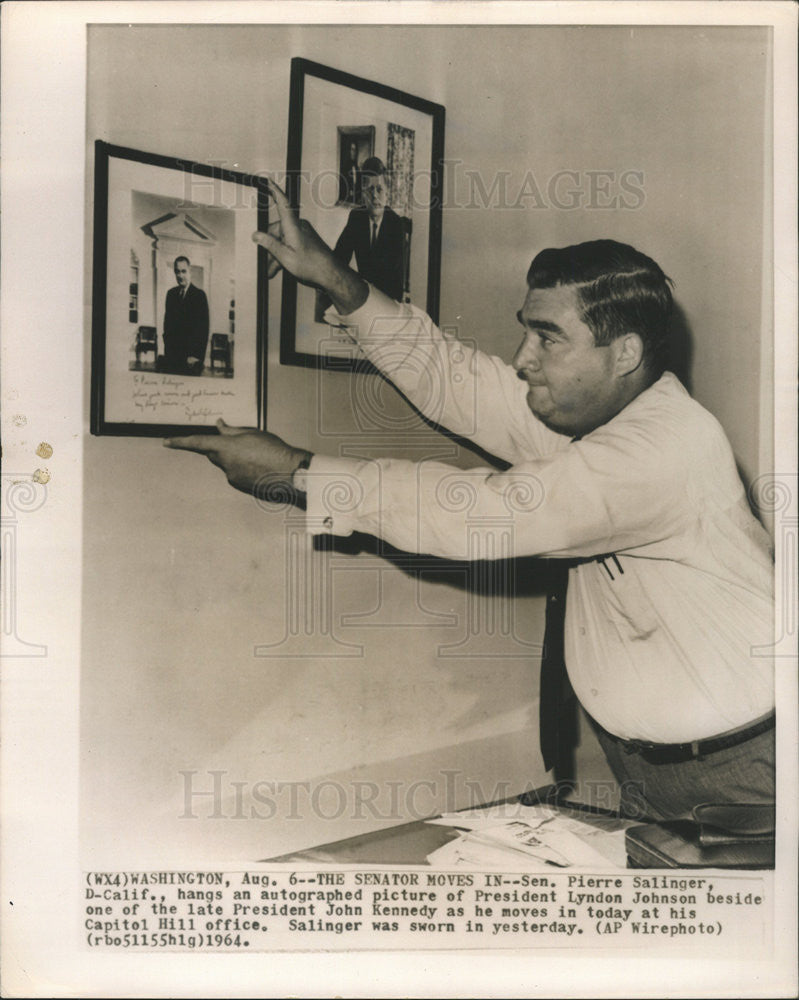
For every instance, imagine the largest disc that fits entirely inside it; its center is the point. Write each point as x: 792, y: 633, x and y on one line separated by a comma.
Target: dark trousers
x: 657, y: 791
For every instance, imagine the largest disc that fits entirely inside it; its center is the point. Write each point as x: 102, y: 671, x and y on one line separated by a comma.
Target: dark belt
x: 676, y: 753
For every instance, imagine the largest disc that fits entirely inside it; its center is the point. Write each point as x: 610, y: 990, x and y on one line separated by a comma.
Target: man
x: 186, y: 324
x: 374, y: 233
x: 616, y: 472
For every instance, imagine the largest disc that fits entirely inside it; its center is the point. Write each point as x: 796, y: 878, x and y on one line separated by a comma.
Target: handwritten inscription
x: 179, y: 400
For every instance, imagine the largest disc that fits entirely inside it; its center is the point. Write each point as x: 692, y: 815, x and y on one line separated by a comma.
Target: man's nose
x: 527, y: 355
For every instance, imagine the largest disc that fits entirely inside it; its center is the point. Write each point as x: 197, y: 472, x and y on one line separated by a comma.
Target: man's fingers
x: 285, y: 212
x: 279, y: 196
x: 279, y: 253
x: 200, y: 443
x: 273, y: 264
x: 275, y: 246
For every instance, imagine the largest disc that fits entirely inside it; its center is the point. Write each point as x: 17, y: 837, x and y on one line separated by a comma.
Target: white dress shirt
x: 662, y: 651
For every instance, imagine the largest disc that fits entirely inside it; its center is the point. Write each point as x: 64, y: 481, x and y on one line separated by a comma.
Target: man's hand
x: 294, y: 244
x: 274, y: 229
x: 254, y: 461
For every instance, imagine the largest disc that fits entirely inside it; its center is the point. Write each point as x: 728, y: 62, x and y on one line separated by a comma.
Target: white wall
x: 183, y: 577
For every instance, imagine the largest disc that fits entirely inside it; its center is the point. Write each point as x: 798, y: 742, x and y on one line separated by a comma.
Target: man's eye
x: 545, y: 340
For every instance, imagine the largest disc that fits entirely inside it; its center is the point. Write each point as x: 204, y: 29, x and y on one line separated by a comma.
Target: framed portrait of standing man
x: 365, y: 168
x: 179, y: 295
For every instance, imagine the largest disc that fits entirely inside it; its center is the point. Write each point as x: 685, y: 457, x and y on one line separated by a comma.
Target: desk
x: 666, y: 845
x: 410, y: 843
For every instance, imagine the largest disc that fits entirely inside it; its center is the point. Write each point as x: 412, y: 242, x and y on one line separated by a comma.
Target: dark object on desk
x: 734, y: 823
x: 724, y: 835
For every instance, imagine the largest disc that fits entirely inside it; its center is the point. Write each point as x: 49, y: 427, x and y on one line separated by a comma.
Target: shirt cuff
x: 338, y: 492
x: 370, y: 318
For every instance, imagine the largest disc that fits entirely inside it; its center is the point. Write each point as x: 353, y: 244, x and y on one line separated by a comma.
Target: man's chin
x: 537, y: 405
x: 547, y: 417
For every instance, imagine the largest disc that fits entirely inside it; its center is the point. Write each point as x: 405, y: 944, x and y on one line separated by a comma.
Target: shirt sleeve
x: 472, y: 394
x: 570, y: 504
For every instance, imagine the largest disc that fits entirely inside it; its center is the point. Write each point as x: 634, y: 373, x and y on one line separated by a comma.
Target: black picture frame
x: 361, y: 108
x: 131, y: 394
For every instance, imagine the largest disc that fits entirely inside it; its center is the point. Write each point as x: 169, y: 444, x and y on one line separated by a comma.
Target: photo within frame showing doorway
x: 179, y: 299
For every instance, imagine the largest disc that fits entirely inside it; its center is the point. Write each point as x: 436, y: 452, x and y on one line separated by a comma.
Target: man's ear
x: 629, y: 353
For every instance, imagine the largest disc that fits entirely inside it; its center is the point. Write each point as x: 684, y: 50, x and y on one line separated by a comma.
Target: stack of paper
x: 526, y: 837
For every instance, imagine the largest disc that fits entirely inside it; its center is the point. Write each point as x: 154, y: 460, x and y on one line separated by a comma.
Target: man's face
x: 573, y: 387
x: 375, y: 195
x: 182, y: 274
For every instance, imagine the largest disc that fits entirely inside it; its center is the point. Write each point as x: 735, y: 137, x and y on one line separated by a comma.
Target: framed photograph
x: 356, y: 143
x: 179, y: 299
x: 365, y: 168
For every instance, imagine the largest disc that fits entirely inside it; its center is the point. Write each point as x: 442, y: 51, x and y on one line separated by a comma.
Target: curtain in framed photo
x: 401, y: 143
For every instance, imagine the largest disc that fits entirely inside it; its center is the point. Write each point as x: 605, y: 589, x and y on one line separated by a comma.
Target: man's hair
x: 373, y: 166
x: 182, y: 257
x: 619, y: 291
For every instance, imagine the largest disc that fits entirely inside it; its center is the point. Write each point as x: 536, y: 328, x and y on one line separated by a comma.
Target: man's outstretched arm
x: 452, y: 383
